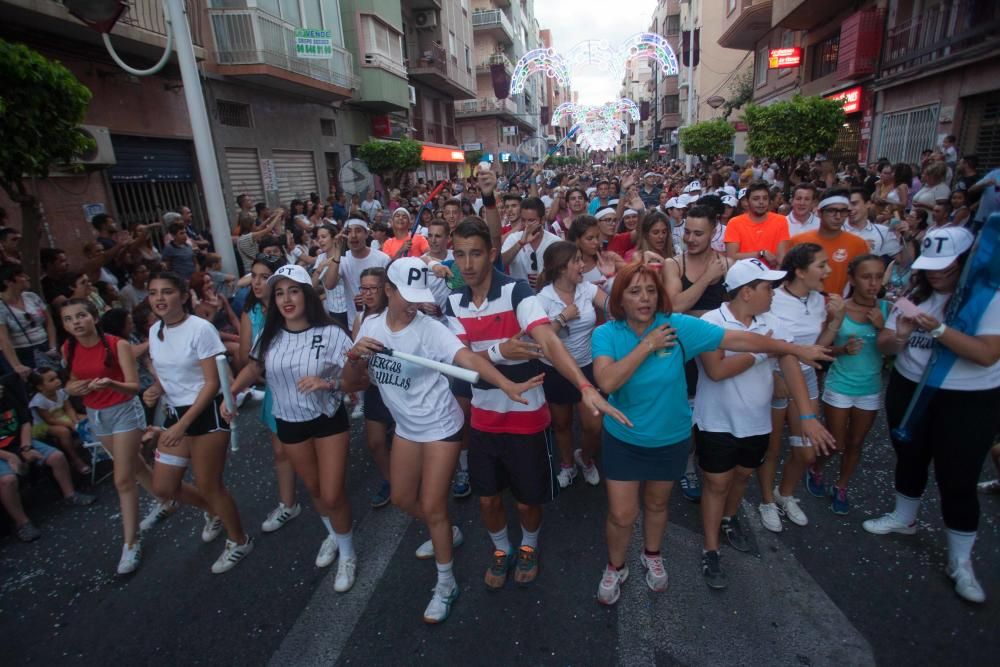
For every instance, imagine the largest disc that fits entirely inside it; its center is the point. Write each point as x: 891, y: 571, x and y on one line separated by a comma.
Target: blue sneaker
x: 381, y: 499
x: 461, y: 488
x: 691, y: 487
x: 814, y: 482
x: 838, y: 500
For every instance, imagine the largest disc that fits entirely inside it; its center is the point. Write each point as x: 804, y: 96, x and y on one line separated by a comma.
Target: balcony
x: 495, y: 59
x: 944, y: 34
x: 259, y: 48
x: 435, y: 133
x: 147, y: 15
x: 487, y: 106
x: 494, y: 23
x: 431, y: 68
x: 744, y: 27
x: 806, y: 14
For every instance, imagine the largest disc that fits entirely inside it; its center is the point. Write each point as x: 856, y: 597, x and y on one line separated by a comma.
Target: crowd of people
x: 689, y: 322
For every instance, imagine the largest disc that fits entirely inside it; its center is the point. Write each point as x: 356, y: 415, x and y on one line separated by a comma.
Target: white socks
x: 345, y: 543
x: 528, y: 538
x: 326, y: 522
x: 906, y: 508
x: 501, y: 541
x: 959, y: 545
x: 445, y: 574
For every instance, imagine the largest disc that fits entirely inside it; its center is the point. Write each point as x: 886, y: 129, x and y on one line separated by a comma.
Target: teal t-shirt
x: 655, y: 397
x: 857, y: 374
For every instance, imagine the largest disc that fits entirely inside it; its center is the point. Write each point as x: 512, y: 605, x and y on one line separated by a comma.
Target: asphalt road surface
x: 826, y: 594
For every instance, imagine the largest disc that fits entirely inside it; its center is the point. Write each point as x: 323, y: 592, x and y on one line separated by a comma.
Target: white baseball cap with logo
x: 746, y: 271
x: 292, y: 272
x: 409, y: 276
x: 693, y: 186
x: 943, y: 246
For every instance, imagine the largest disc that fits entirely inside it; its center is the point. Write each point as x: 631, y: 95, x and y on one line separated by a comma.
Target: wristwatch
x: 938, y: 331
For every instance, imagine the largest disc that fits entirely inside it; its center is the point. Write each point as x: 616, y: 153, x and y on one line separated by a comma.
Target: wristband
x: 351, y: 356
x: 807, y: 416
x: 585, y: 385
x: 938, y: 331
x: 489, y: 200
x: 494, y: 353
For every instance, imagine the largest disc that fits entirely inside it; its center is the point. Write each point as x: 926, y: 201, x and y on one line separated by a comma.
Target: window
x: 382, y: 39
x: 451, y: 43
x: 328, y: 127
x: 234, y: 114
x: 672, y: 25
x: 760, y: 68
x: 787, y: 41
x: 823, y: 57
x: 468, y: 59
x: 730, y: 7
x: 671, y: 103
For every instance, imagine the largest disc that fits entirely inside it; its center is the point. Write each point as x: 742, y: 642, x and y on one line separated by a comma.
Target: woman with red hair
x: 639, y: 362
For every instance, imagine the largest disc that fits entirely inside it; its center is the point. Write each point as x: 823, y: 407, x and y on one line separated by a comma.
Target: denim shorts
x: 38, y: 446
x: 812, y: 386
x: 121, y: 418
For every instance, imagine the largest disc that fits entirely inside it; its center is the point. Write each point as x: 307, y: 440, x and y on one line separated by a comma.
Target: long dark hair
x: 180, y: 285
x: 920, y: 287
x: 274, y: 321
x: 578, y: 228
x: 376, y: 272
x: 71, y: 343
x: 799, y: 257
x: 557, y: 256
x: 272, y: 262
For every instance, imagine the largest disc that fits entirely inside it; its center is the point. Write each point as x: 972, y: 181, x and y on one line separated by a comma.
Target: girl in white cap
x: 956, y: 426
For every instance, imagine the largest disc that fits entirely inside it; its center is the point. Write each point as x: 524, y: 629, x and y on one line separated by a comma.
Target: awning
x: 441, y: 153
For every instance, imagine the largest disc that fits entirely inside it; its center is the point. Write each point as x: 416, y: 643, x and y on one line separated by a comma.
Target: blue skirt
x: 623, y: 462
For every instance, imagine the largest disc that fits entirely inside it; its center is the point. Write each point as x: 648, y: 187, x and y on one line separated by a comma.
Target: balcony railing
x: 943, y: 31
x: 492, y: 18
x: 495, y: 59
x: 485, y: 105
x: 148, y: 15
x: 253, y: 37
x: 435, y: 57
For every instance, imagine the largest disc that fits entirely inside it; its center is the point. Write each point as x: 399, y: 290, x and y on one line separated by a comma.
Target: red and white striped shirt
x: 510, y: 306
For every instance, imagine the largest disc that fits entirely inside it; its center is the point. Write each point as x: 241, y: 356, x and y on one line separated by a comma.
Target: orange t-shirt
x: 417, y: 249
x: 756, y: 236
x: 839, y: 253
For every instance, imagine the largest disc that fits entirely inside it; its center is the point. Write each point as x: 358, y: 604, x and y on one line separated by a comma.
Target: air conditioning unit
x: 103, y: 153
x: 413, y: 95
x: 425, y: 19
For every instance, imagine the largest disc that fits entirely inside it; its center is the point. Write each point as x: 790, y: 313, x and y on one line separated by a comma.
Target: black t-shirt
x: 13, y: 412
x: 966, y: 182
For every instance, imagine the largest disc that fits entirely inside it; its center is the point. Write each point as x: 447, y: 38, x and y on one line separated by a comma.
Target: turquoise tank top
x: 857, y: 374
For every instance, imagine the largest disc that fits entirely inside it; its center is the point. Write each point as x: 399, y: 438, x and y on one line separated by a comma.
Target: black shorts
x: 375, y: 409
x: 341, y: 318
x: 209, y: 421
x: 721, y: 452
x: 561, y: 391
x: 292, y: 433
x: 522, y: 463
x: 461, y: 388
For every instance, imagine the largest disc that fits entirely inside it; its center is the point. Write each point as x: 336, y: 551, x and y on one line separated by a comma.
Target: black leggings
x: 955, y: 433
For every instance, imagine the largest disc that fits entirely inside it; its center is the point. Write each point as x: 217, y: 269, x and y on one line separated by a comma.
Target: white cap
x: 693, y: 186
x: 685, y: 200
x: 356, y: 222
x: 605, y: 212
x: 409, y: 275
x: 728, y: 189
x: 729, y: 200
x: 742, y: 193
x: 612, y: 202
x: 591, y: 191
x: 942, y: 246
x: 746, y: 271
x: 671, y: 203
x: 290, y: 272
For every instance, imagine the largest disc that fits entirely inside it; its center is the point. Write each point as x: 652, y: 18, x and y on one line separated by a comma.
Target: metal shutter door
x: 296, y: 172
x: 243, y: 169
x: 906, y: 133
x: 981, y: 130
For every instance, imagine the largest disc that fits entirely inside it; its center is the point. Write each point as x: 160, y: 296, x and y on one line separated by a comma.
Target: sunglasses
x: 533, y: 257
x: 271, y: 261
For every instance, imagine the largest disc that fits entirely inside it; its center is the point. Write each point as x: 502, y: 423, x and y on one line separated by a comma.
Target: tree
x: 392, y: 159
x: 740, y: 92
x: 708, y: 139
x: 789, y: 130
x: 473, y: 157
x: 41, y: 107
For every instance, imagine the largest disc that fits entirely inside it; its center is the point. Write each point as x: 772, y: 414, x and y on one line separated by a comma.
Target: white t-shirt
x: 176, y: 358
x: 576, y: 334
x: 718, y: 239
x: 739, y: 405
x: 803, y: 320
x: 880, y: 240
x: 964, y: 375
x: 521, y: 266
x: 350, y: 277
x: 291, y: 356
x: 371, y: 207
x: 333, y: 299
x: 796, y: 227
x: 419, y: 399
x: 439, y: 286
x: 39, y: 401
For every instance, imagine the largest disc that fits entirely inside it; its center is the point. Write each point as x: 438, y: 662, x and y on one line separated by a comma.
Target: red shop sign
x: 787, y: 57
x: 850, y: 98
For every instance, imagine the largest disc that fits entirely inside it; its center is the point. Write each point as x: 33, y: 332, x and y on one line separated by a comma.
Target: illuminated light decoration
x: 539, y: 60
x: 626, y: 106
x: 560, y: 111
x: 790, y: 56
x: 650, y: 46
x: 588, y: 54
x: 604, y: 125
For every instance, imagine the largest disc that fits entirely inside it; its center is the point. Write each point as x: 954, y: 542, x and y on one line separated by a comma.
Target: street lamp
x: 715, y: 101
x: 102, y: 15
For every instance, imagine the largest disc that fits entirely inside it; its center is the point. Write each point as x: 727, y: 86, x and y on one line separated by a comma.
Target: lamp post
x: 101, y: 15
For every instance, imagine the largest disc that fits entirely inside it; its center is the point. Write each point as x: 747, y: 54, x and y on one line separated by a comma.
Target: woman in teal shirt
x: 639, y: 361
x: 852, y: 395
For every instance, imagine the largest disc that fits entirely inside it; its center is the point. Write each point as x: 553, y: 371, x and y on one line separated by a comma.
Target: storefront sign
x: 313, y: 43
x: 787, y: 57
x: 439, y: 154
x: 505, y: 157
x: 269, y: 175
x: 850, y: 98
x: 90, y: 210
x: 472, y: 147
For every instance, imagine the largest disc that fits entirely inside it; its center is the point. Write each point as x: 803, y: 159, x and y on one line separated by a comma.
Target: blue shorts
x: 38, y: 446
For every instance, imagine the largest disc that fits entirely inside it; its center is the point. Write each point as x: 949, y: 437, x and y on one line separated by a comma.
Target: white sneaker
x: 157, y: 513
x: 256, y: 395
x: 789, y: 506
x: 590, y: 473
x: 345, y: 574
x: 610, y: 588
x: 966, y: 585
x: 232, y: 555
x: 358, y: 411
x: 327, y: 552
x: 566, y: 476
x: 888, y: 523
x: 213, y: 526
x: 426, y: 550
x: 241, y: 398
x: 770, y: 517
x: 440, y: 605
x: 656, y: 573
x: 130, y: 559
x: 279, y: 516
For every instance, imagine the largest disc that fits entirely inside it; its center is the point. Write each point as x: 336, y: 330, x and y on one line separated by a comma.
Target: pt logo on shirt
x: 317, y: 344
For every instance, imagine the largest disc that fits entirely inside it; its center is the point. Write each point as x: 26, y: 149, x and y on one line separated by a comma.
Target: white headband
x: 629, y: 211
x: 604, y: 213
x: 836, y: 199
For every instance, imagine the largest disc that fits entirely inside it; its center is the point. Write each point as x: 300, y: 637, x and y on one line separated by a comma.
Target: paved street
x: 822, y: 595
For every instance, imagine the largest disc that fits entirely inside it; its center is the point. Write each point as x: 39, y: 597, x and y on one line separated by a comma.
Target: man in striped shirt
x: 509, y: 443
